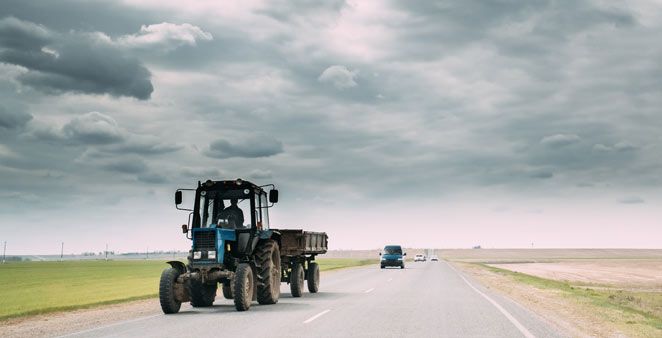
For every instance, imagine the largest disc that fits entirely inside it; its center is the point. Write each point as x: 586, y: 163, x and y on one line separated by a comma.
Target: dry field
x: 585, y: 292
x: 641, y: 274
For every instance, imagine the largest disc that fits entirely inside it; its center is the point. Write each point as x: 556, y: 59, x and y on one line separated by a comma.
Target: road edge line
x: 106, y: 326
x: 507, y: 314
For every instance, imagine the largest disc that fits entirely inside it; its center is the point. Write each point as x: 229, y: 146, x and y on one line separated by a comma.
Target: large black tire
x: 167, y: 291
x: 267, y: 256
x: 202, y: 295
x: 228, y: 290
x: 313, y: 277
x: 243, y: 287
x: 296, y: 280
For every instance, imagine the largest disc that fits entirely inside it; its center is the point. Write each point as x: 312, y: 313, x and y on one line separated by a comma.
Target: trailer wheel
x: 202, y: 295
x: 313, y: 277
x: 243, y: 287
x: 296, y: 280
x: 167, y: 291
x: 228, y: 290
x: 267, y: 256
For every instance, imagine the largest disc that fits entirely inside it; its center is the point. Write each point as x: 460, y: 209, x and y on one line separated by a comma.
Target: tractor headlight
x: 211, y: 254
x: 383, y: 258
x: 399, y: 258
x: 197, y: 254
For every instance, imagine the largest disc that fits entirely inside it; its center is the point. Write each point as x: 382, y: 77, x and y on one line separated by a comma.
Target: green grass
x: 636, y: 307
x: 29, y: 288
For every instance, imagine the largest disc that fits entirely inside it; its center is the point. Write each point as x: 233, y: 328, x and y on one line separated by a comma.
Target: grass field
x: 29, y: 288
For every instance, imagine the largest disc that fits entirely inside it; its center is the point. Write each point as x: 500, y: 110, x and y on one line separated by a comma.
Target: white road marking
x: 107, y: 326
x: 316, y: 316
x: 370, y: 290
x: 510, y: 317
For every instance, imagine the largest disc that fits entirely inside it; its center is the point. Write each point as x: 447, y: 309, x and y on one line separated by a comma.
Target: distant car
x: 434, y: 258
x: 419, y: 258
x: 393, y: 256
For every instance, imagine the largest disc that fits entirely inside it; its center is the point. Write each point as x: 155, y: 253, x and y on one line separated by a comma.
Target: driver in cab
x: 231, y: 217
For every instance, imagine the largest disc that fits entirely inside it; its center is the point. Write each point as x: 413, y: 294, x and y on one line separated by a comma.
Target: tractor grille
x: 204, y: 240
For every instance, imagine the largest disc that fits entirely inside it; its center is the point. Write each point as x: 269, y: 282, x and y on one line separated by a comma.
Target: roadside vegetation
x: 634, y: 313
x: 30, y: 288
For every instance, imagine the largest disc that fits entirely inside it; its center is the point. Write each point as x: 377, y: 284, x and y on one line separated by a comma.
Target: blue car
x: 393, y: 256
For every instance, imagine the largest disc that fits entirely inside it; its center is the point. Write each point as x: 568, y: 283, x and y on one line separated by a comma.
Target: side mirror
x: 178, y: 197
x: 404, y: 254
x: 380, y: 253
x: 184, y: 228
x: 273, y: 196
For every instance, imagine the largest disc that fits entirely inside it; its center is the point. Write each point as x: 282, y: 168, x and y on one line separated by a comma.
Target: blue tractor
x: 233, y: 245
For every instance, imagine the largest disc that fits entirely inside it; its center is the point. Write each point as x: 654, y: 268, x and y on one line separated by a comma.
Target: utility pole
x: 147, y: 253
x: 106, y: 251
x: 4, y: 252
x: 62, y: 252
x: 531, y: 245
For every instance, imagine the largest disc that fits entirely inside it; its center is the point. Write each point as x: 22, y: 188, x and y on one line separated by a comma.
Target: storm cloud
x: 73, y: 61
x: 448, y: 109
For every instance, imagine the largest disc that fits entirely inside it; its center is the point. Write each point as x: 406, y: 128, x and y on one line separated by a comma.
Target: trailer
x: 298, y: 251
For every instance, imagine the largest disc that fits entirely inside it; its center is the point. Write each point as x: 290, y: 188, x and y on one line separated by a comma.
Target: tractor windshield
x: 229, y: 209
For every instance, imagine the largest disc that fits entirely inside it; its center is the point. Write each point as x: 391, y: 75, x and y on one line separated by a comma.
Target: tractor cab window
x: 225, y: 209
x: 265, y: 212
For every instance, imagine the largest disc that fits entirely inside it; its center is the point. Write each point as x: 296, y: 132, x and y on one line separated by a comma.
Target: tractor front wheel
x: 296, y: 280
x: 167, y: 291
x: 243, y: 287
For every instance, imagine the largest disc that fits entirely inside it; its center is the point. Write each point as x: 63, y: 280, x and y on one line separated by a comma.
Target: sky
x: 434, y: 124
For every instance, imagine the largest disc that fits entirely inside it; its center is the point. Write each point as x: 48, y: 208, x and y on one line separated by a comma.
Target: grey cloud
x: 541, y: 174
x: 339, y: 76
x: 197, y: 173
x: 93, y: 128
x: 250, y: 148
x: 71, y: 62
x: 13, y: 119
x: 126, y: 166
x: 260, y: 174
x: 559, y: 140
x: 135, y: 145
x: 152, y: 178
x: 624, y: 146
x: 632, y: 200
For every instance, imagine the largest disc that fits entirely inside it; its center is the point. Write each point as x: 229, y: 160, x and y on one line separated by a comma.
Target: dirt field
x: 627, y: 273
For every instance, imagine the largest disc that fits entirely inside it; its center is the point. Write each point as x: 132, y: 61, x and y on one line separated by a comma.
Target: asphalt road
x: 428, y: 299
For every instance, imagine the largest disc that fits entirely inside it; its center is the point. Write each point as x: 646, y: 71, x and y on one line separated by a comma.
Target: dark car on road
x: 393, y: 256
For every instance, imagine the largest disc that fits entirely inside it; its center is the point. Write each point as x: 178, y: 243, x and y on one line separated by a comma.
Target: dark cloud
x: 13, y: 119
x: 250, y: 148
x: 152, y: 178
x: 542, y: 174
x: 71, y: 62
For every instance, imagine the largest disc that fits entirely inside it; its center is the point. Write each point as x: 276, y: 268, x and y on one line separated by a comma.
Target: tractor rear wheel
x: 228, y: 290
x: 313, y: 277
x: 167, y: 291
x: 202, y: 295
x: 243, y: 287
x: 267, y: 256
x: 296, y: 280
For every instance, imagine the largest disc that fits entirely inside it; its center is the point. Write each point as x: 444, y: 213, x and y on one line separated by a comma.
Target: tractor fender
x: 270, y: 234
x: 181, y: 267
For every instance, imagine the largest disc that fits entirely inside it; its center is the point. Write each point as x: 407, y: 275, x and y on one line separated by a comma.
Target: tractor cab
x: 226, y: 222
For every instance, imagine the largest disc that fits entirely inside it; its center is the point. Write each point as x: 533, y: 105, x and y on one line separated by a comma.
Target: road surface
x: 427, y: 299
